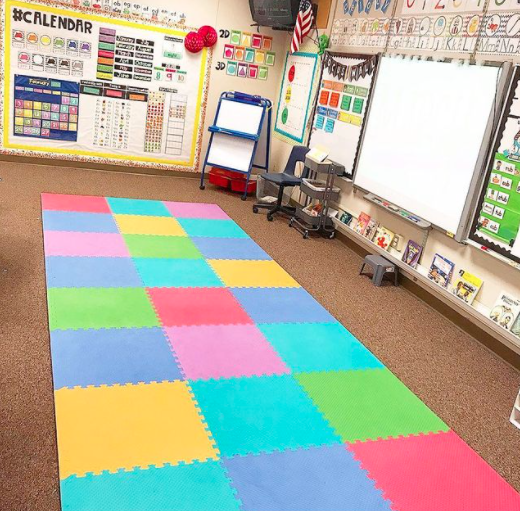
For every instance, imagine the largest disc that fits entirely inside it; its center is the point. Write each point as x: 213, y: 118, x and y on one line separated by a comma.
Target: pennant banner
x: 351, y: 73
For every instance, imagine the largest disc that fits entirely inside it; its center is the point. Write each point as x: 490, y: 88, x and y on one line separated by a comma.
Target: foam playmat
x: 192, y: 373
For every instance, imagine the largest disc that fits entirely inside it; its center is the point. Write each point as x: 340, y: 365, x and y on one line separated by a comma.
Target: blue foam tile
x: 109, y: 356
x: 193, y: 487
x: 121, y: 206
x: 306, y: 347
x: 326, y: 478
x: 281, y: 305
x: 198, y: 227
x: 78, y: 222
x: 64, y: 271
x: 230, y: 248
x: 176, y: 273
x: 261, y: 414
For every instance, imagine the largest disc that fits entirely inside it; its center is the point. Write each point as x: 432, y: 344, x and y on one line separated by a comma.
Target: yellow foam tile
x: 108, y: 428
x: 235, y: 273
x: 141, y: 224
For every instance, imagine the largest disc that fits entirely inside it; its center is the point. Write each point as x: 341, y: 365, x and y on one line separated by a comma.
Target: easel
x: 237, y: 132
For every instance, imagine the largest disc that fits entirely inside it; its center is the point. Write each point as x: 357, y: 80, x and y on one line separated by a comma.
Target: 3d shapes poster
x: 295, y: 95
x: 497, y: 221
x: 94, y: 86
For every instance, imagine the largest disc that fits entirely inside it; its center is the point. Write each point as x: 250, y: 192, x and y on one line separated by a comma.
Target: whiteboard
x: 231, y: 152
x: 345, y: 124
x: 237, y: 116
x: 423, y: 135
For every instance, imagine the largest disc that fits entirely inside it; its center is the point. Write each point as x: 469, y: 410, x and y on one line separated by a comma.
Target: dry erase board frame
x: 359, y: 56
x: 460, y: 232
x: 474, y: 235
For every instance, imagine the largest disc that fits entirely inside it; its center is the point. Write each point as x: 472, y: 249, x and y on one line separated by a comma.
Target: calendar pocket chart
x: 75, y: 83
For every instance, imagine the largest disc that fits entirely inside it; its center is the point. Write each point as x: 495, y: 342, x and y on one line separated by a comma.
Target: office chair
x: 283, y: 180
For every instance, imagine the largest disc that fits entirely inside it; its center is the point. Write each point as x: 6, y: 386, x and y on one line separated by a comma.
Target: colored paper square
x: 111, y: 356
x: 307, y: 347
x: 46, y: 124
x: 55, y: 117
x: 27, y: 122
x: 84, y: 203
x: 212, y: 228
x: 263, y: 73
x: 176, y: 273
x: 64, y: 117
x: 363, y: 405
x: 236, y: 351
x: 64, y: 126
x: 27, y: 113
x: 55, y: 107
x: 357, y: 108
x: 252, y: 274
x: 18, y: 112
x: 267, y: 43
x: 45, y: 132
x: 73, y: 126
x: 235, y: 37
x: 270, y: 58
x: 140, y: 224
x: 262, y: 414
x: 37, y: 114
x: 229, y: 51
x: 171, y: 247
x: 249, y: 55
x: 246, y: 39
x: 137, y: 207
x: 72, y: 308
x: 193, y: 487
x: 46, y: 106
x: 259, y: 57
x: 283, y: 305
x: 122, y: 427
x: 231, y: 68
x: 18, y: 121
x: 230, y: 248
x: 345, y: 102
x: 325, y: 478
x: 324, y: 97
x: 256, y: 41
x: 64, y: 109
x: 197, y: 306
x: 91, y: 272
x: 252, y: 72
x: 78, y: 221
x: 334, y: 100
x: 239, y: 53
x: 434, y: 472
x: 196, y: 210
x: 88, y: 244
x: 28, y: 104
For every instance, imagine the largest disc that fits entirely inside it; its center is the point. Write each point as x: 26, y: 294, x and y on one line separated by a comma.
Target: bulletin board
x: 295, y: 98
x: 496, y: 223
x: 86, y: 85
x: 341, y: 106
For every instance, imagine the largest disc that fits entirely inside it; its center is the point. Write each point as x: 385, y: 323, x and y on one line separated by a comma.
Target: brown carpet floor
x: 467, y: 386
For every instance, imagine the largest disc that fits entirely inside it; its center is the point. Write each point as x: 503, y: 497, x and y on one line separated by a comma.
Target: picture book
x: 383, y: 238
x: 397, y: 243
x: 362, y: 223
x: 466, y: 286
x: 441, y: 270
x: 371, y: 229
x: 412, y: 253
x: 505, y: 311
x: 346, y: 218
x: 515, y: 329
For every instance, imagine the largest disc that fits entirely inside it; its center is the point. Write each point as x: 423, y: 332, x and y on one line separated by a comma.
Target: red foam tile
x: 197, y: 306
x: 435, y: 472
x: 77, y: 203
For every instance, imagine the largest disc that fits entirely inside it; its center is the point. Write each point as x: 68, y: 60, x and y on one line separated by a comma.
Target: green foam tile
x: 82, y: 308
x: 368, y: 404
x: 174, y: 247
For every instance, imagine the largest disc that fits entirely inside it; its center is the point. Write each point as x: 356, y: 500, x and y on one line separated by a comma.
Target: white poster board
x: 423, y: 135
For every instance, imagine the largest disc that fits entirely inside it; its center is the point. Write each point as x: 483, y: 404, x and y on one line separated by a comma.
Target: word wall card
x: 77, y: 85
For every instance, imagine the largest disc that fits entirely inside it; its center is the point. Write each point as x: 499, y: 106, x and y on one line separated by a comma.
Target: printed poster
x: 90, y: 86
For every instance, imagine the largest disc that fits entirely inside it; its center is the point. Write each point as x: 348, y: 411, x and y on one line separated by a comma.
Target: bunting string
x: 350, y: 73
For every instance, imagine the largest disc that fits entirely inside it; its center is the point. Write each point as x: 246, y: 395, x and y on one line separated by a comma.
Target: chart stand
x: 240, y: 139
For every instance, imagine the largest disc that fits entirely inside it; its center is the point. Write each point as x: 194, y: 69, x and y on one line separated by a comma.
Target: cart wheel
x: 290, y: 222
x: 243, y: 198
x: 202, y: 187
x: 332, y: 235
x: 255, y: 209
x: 306, y: 235
x: 269, y: 218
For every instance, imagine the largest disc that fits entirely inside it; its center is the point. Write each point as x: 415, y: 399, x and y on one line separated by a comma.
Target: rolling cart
x: 318, y: 190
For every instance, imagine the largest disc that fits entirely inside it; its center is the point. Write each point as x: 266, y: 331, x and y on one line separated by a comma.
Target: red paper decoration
x: 209, y: 35
x: 194, y: 42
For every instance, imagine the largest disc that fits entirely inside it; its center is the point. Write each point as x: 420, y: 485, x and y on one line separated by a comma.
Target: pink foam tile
x: 197, y: 306
x: 77, y: 203
x: 224, y: 351
x: 87, y: 244
x: 435, y: 472
x: 196, y: 210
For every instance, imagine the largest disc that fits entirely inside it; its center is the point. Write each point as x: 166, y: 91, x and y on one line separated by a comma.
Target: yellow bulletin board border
x: 82, y: 155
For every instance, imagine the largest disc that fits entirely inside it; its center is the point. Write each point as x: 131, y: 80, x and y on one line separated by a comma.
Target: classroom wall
x: 497, y: 276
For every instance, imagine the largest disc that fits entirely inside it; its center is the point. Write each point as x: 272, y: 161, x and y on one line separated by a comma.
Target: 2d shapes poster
x: 93, y: 86
x: 295, y: 97
x: 497, y: 221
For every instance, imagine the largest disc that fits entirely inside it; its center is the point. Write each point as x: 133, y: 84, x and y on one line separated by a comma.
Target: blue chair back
x: 298, y: 153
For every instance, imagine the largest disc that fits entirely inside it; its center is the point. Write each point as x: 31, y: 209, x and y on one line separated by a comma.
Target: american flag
x: 303, y: 24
